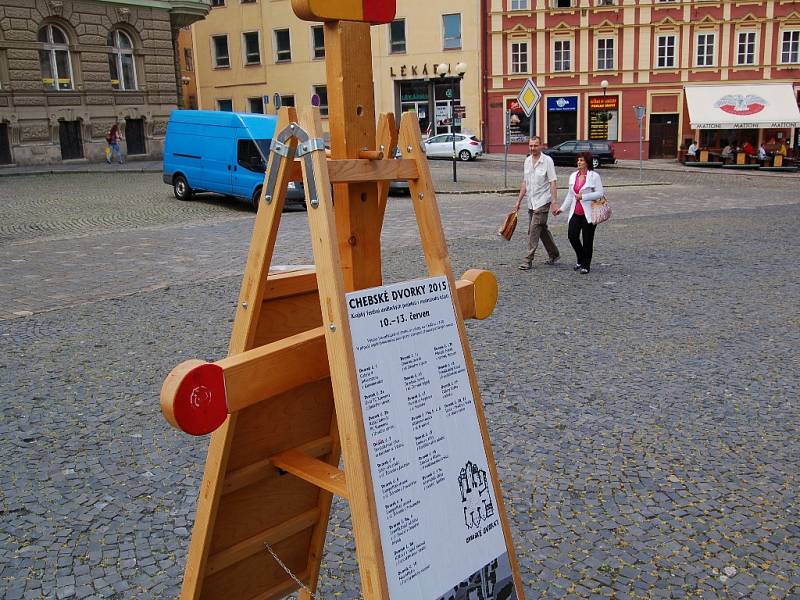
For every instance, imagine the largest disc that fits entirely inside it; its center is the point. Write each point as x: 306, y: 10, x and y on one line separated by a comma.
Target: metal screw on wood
x: 408, y: 149
x: 421, y: 195
x: 244, y: 305
x: 332, y: 327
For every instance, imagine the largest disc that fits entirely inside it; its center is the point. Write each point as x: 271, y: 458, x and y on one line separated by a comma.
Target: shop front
x: 562, y: 119
x: 737, y: 114
x: 603, y: 117
x: 433, y: 100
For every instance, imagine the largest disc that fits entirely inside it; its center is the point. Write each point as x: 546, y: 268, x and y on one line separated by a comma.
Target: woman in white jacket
x: 584, y: 187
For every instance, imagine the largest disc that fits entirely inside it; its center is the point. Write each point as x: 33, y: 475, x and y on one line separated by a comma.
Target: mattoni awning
x: 759, y: 106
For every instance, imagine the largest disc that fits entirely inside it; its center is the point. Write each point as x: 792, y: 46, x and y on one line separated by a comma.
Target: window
x: 790, y: 47
x: 217, y: 3
x: 746, y: 48
x: 318, y: 41
x: 561, y: 55
x: 519, y: 5
x: 605, y: 2
x: 188, y: 59
x: 249, y: 156
x: 452, y: 31
x: 220, y: 48
x: 665, y: 51
x: 605, y: 54
x: 283, y: 46
x: 255, y: 105
x: 562, y: 3
x: 120, y: 61
x: 54, y: 59
x: 397, y: 36
x: 322, y: 92
x: 705, y: 49
x: 519, y: 57
x: 226, y: 104
x: 252, y: 48
x: 247, y: 1
x: 287, y: 100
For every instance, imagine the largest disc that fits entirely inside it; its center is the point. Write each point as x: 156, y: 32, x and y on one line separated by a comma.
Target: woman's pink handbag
x: 601, y: 210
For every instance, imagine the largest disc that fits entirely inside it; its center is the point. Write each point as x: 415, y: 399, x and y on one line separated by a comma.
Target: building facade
x: 70, y: 69
x: 247, y: 52
x: 596, y: 60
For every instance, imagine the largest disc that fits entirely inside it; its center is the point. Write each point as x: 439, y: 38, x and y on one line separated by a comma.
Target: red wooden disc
x: 200, y: 404
x: 379, y: 11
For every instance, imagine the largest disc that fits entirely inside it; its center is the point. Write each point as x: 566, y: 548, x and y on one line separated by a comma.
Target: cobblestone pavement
x: 664, y: 465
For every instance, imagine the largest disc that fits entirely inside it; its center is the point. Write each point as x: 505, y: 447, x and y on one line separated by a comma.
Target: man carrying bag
x: 539, y: 188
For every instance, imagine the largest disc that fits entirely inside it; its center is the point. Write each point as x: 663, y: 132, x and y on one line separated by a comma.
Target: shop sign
x: 562, y: 104
x: 412, y: 71
x: 604, y: 103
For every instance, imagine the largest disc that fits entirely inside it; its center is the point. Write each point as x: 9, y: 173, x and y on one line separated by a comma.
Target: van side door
x: 219, y: 150
x: 249, y: 166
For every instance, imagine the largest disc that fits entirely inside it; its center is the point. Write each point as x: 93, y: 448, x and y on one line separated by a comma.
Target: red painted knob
x: 193, y: 397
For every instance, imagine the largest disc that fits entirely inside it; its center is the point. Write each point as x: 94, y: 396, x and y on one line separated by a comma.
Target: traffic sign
x: 529, y: 97
x: 639, y: 112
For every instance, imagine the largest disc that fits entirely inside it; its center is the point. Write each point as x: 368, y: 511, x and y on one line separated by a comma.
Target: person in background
x: 762, y: 152
x: 727, y: 152
x: 113, y: 138
x: 782, y: 149
x: 539, y: 188
x: 692, y: 151
x: 584, y: 187
x: 748, y: 148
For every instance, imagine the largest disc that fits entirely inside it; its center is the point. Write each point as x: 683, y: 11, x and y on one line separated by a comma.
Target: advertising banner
x: 518, y: 123
x: 437, y: 506
x: 562, y: 104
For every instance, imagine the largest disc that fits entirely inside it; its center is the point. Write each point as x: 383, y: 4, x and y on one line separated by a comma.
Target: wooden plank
x: 359, y: 170
x: 330, y: 279
x: 254, y: 544
x: 292, y: 283
x: 351, y: 118
x: 386, y: 139
x: 438, y: 260
x: 288, y: 316
x: 263, y: 469
x: 313, y: 471
x: 261, y: 246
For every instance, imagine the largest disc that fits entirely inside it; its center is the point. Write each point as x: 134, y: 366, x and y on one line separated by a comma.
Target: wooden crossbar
x: 314, y: 471
x: 357, y: 170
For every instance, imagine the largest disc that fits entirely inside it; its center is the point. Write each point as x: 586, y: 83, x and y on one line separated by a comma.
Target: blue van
x: 221, y: 152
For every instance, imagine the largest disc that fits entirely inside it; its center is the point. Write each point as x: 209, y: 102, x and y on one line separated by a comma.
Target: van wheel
x: 181, y: 189
x: 256, y: 198
x: 464, y: 155
x: 595, y: 162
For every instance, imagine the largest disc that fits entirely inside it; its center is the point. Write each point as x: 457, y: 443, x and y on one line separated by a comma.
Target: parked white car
x: 468, y: 147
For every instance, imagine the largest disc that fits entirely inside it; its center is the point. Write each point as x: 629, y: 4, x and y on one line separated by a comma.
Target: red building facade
x: 594, y: 61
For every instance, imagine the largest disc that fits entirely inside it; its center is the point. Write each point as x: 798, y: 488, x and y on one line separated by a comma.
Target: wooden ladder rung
x: 355, y: 170
x: 264, y: 469
x: 282, y: 589
x: 313, y: 470
x: 254, y: 544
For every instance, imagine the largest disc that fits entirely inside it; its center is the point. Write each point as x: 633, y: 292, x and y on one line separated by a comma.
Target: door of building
x: 421, y: 108
x: 5, y: 145
x: 134, y: 136
x: 663, y: 136
x: 561, y: 126
x: 69, y: 136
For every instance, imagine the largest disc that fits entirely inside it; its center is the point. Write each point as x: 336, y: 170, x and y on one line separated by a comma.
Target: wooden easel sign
x: 440, y: 527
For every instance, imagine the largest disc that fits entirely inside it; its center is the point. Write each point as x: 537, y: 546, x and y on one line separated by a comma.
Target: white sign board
x: 437, y: 508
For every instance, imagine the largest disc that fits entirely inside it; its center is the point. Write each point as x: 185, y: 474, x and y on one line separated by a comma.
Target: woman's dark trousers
x: 579, y: 228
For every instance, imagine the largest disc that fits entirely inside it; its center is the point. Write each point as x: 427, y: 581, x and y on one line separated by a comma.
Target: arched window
x: 54, y: 58
x: 120, y: 61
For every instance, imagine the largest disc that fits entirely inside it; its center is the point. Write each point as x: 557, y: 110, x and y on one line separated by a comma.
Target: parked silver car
x: 468, y: 147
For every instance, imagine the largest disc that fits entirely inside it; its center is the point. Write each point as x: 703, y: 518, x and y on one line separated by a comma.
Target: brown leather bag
x: 509, y: 225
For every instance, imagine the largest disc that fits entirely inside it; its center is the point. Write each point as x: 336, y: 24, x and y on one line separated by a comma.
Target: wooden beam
x: 312, y: 470
x: 244, y: 549
x: 386, y: 139
x: 359, y: 170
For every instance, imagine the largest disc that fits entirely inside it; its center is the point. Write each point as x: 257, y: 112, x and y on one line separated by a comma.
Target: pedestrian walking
x: 539, y: 189
x: 113, y: 138
x: 584, y: 187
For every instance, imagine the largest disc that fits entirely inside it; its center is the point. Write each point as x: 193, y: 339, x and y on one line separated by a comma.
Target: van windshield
x: 252, y: 154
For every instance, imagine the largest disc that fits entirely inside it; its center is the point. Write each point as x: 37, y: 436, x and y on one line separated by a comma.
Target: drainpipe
x: 485, y: 70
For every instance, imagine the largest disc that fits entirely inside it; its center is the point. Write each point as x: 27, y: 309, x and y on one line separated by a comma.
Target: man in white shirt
x: 692, y: 151
x: 539, y: 188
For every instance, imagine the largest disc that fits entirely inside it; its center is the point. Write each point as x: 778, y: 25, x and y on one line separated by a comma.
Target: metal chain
x: 303, y: 586
x: 290, y: 574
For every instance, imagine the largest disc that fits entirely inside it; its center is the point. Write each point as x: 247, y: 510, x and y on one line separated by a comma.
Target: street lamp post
x: 442, y: 70
x: 604, y: 85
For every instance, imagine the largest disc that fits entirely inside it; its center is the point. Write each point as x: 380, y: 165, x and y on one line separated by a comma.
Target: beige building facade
x: 247, y: 53
x: 70, y: 69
